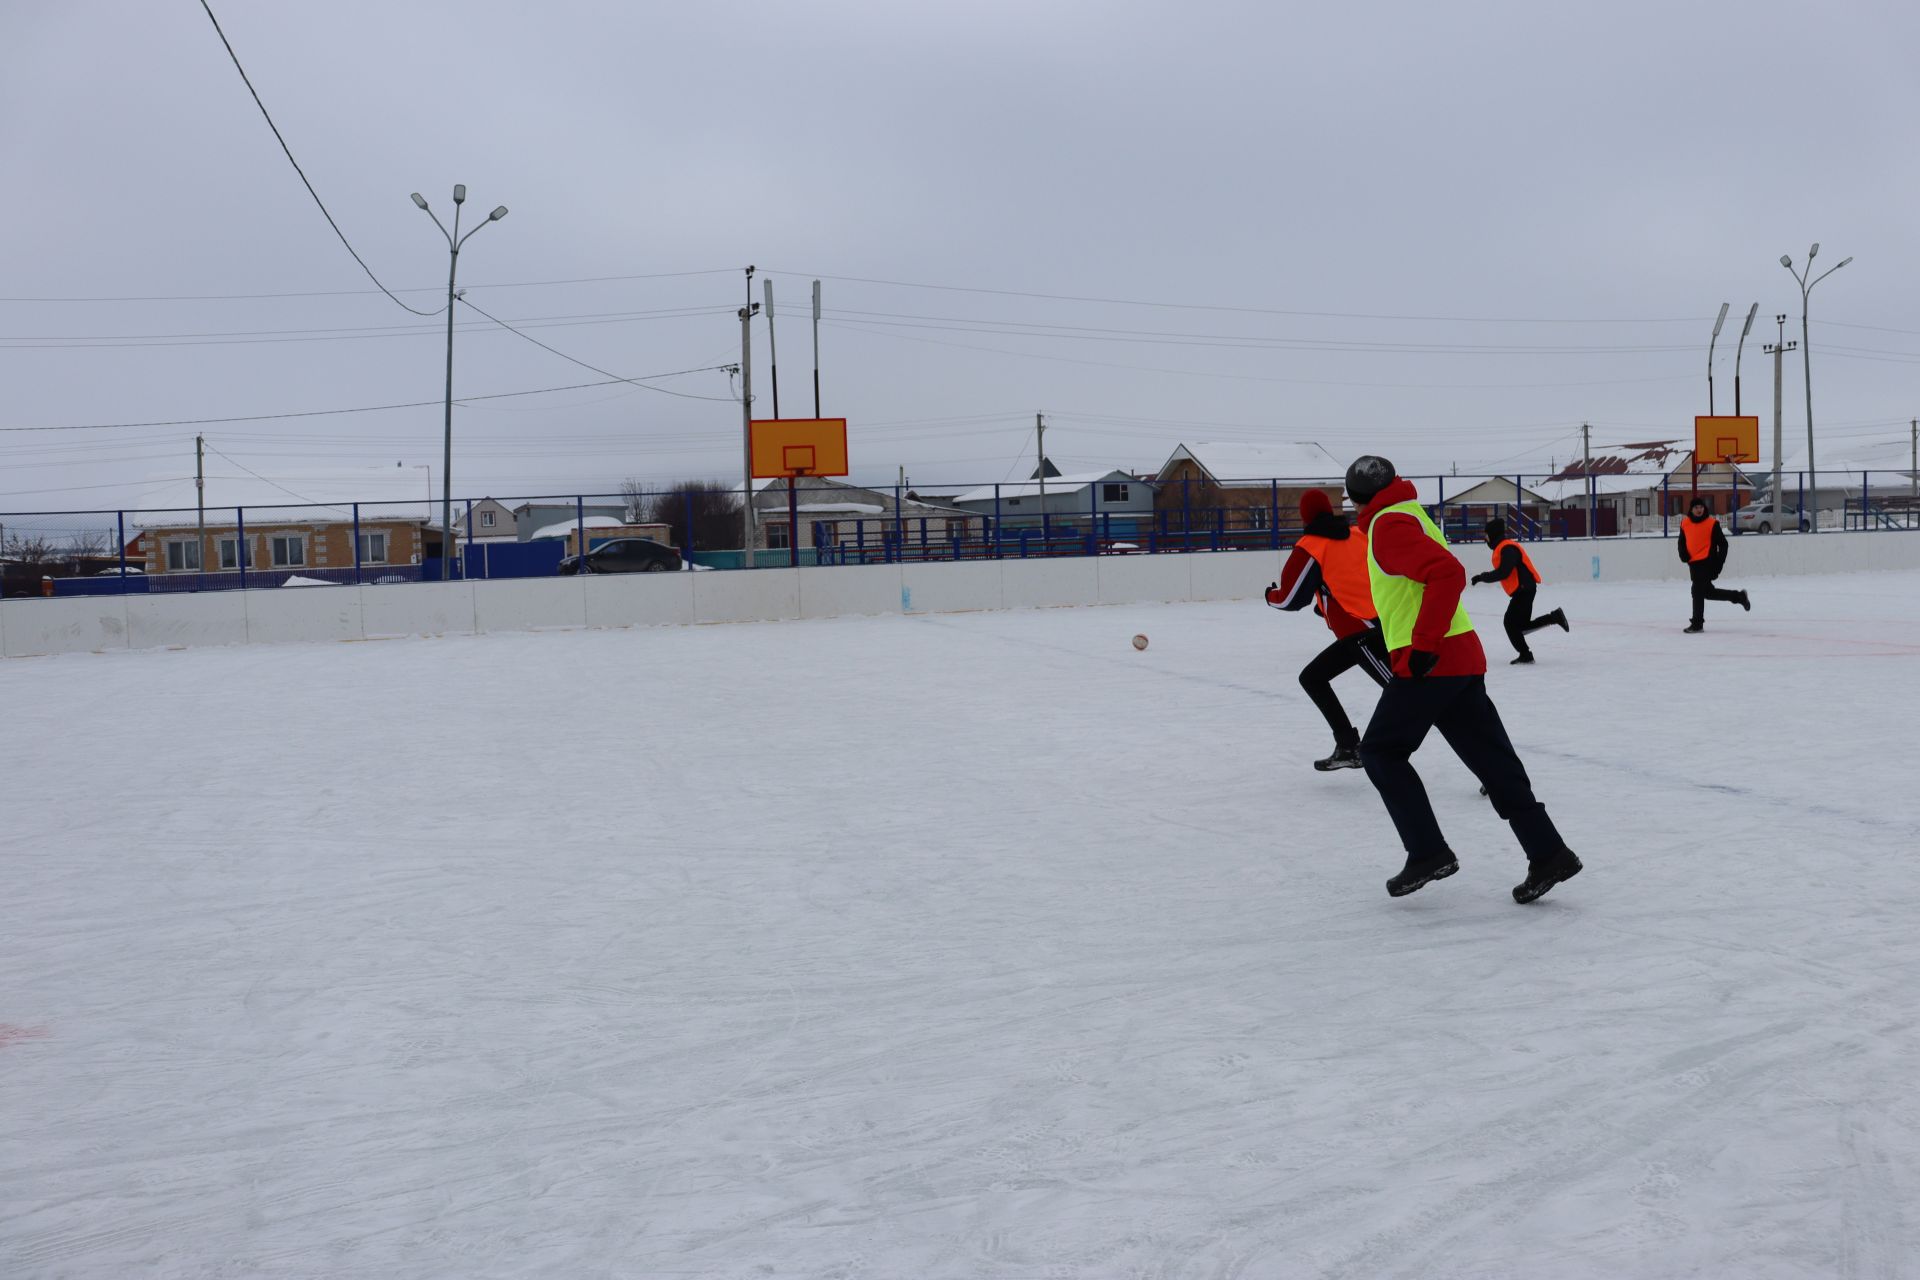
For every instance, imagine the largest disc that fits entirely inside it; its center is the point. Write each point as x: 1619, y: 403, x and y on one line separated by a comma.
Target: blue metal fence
x: 869, y: 526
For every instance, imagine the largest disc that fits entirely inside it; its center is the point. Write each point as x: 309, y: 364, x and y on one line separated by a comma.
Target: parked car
x: 625, y: 555
x: 1765, y: 517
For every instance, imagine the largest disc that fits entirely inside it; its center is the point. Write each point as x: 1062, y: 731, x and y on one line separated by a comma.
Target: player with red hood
x: 1440, y: 682
x: 1328, y: 569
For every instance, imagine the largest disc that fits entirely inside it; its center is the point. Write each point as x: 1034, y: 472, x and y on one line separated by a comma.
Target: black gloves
x: 1420, y: 662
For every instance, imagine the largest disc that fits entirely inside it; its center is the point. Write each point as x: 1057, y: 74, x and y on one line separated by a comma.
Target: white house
x: 1117, y: 503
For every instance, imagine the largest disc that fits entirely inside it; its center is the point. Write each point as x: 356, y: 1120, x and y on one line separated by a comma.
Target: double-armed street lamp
x: 454, y: 241
x: 1806, y: 279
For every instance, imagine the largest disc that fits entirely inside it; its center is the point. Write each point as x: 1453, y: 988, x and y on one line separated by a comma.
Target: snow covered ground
x: 967, y: 946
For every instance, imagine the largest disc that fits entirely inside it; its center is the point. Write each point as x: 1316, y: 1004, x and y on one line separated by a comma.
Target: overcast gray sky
x: 1449, y: 233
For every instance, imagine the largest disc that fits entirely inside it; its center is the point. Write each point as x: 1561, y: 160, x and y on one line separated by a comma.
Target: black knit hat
x: 1496, y: 530
x: 1368, y: 476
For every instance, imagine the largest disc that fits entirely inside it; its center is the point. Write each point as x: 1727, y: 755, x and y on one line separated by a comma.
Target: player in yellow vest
x: 1440, y: 682
x: 1513, y: 569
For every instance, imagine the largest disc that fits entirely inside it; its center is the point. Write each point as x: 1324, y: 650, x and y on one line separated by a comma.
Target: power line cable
x: 361, y: 293
x: 369, y: 408
x: 248, y: 81
x: 685, y: 395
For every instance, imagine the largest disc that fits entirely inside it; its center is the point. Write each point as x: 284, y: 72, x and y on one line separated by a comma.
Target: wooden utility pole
x: 1586, y: 466
x: 200, y: 499
x: 1777, y: 349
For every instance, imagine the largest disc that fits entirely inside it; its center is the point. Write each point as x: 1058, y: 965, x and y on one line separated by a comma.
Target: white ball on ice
x: 1139, y: 642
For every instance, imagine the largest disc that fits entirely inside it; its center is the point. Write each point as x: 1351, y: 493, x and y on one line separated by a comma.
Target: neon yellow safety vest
x: 1397, y: 598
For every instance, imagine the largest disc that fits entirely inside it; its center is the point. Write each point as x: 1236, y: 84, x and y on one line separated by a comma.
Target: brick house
x: 1244, y: 486
x: 285, y: 541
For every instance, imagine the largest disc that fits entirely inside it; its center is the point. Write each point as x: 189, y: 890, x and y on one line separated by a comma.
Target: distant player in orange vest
x: 1328, y: 569
x: 1513, y: 569
x: 1703, y: 549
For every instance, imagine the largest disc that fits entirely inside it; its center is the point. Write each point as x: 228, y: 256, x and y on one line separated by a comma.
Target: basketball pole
x: 773, y: 352
x: 793, y: 524
x: 746, y: 427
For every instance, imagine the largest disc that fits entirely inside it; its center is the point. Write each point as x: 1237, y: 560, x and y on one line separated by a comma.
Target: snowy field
x: 968, y: 946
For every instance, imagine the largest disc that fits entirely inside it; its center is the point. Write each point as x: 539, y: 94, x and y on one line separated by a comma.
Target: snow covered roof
x: 1238, y: 463
x: 1558, y: 491
x: 1055, y: 484
x: 566, y: 527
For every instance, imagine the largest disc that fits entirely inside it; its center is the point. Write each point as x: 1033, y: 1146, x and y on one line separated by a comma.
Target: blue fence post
x: 1273, y: 517
x: 1666, y: 503
x: 1865, y: 521
x: 240, y: 543
x: 1093, y: 518
x: 120, y: 518
x: 686, y: 510
x: 580, y: 527
x: 998, y: 550
x: 1186, y: 514
x: 1800, y: 479
x: 466, y: 565
x: 356, y: 544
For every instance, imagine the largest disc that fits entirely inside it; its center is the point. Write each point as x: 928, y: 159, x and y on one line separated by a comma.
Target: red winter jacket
x: 1402, y: 547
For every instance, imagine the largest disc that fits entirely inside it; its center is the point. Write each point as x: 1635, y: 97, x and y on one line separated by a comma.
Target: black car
x: 625, y: 555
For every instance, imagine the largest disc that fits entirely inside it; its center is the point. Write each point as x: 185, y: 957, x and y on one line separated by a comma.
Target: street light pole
x: 1739, y: 351
x: 454, y: 241
x: 1717, y: 322
x: 1806, y: 359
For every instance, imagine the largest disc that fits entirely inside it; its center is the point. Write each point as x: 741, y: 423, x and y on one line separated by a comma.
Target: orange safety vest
x: 1343, y: 567
x: 1512, y: 581
x: 1699, y: 536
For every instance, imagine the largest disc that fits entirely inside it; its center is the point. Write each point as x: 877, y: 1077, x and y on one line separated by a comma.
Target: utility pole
x: 1586, y: 466
x: 1040, y: 447
x: 816, y: 348
x: 200, y: 494
x: 773, y: 352
x: 1777, y: 350
x: 1913, y: 475
x: 746, y: 427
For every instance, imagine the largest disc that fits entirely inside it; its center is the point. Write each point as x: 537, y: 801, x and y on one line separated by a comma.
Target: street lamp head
x: 1721, y: 318
x: 1811, y: 252
x: 419, y: 199
x: 1786, y: 260
x: 459, y: 193
x: 497, y: 214
x: 1843, y: 262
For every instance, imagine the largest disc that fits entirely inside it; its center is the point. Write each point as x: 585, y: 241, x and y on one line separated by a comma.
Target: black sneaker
x: 1560, y: 617
x: 1521, y: 661
x: 1745, y: 602
x: 1420, y: 870
x: 1342, y: 758
x: 1543, y: 875
x: 1694, y: 628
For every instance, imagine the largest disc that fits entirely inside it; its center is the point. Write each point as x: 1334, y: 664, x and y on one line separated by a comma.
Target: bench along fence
x: 235, y: 548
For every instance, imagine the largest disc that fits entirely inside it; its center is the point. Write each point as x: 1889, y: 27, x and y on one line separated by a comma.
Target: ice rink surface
x: 965, y: 946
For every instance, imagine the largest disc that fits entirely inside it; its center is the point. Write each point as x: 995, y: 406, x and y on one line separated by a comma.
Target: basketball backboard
x: 783, y: 448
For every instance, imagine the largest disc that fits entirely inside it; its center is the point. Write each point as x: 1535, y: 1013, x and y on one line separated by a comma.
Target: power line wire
x: 370, y: 408
x: 361, y: 293
x: 248, y: 81
x: 685, y: 395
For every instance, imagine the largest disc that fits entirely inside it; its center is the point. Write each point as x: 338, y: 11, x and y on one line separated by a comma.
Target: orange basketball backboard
x: 785, y: 447
x: 1725, y: 440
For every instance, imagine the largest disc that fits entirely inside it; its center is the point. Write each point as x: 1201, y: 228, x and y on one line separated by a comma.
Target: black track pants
x: 1520, y: 619
x: 1459, y: 708
x: 1704, y: 590
x: 1365, y: 650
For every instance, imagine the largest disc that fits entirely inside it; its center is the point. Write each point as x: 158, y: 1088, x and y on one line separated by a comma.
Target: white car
x: 1765, y: 517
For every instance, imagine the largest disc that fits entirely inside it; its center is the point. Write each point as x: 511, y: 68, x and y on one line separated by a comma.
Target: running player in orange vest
x: 1328, y: 569
x: 1703, y: 549
x: 1513, y: 569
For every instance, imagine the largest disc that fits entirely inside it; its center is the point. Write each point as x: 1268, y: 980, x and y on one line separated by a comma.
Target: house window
x: 1643, y: 506
x: 1113, y: 493
x: 1256, y: 517
x: 230, y: 555
x: 373, y: 548
x: 183, y: 555
x: 1013, y: 502
x: 777, y: 535
x: 486, y: 519
x: 289, y: 550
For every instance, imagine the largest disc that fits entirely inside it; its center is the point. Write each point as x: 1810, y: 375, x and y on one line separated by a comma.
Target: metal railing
x: 386, y: 542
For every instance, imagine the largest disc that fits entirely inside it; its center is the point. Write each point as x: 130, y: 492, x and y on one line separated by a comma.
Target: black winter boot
x: 1560, y: 618
x: 1343, y: 757
x: 1420, y: 870
x: 1694, y: 628
x: 1543, y: 875
x: 1522, y: 660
